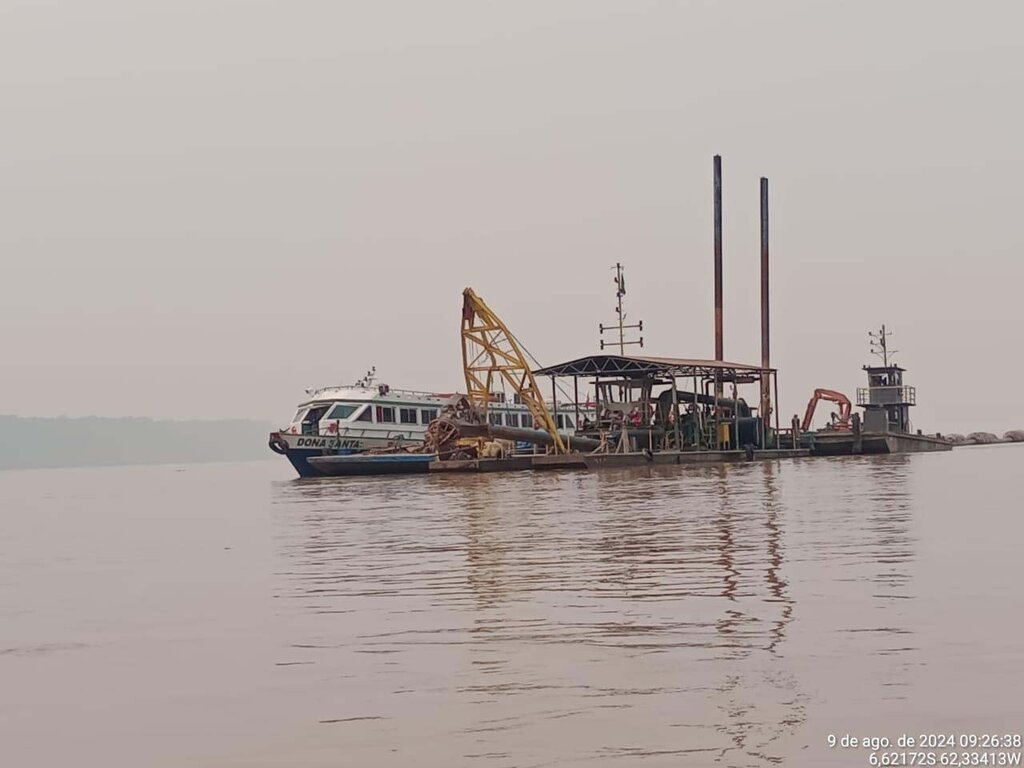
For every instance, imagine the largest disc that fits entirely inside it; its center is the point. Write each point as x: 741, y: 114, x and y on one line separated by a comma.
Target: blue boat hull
x: 370, y: 464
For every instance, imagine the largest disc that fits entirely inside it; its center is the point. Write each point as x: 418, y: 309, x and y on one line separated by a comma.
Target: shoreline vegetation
x: 37, y: 442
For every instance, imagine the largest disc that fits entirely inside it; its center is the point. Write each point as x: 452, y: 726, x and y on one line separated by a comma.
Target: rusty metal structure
x: 766, y: 400
x: 670, y: 404
x: 719, y: 277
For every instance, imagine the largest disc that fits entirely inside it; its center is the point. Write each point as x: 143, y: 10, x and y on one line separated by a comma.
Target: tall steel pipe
x: 719, y: 351
x: 766, y: 401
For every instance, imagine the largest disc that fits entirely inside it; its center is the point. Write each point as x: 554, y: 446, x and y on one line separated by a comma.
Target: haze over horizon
x: 209, y: 206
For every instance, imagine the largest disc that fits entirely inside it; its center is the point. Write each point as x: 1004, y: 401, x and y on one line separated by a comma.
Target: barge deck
x: 583, y: 461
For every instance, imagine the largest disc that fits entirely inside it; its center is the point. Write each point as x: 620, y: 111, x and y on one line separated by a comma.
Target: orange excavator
x: 840, y: 421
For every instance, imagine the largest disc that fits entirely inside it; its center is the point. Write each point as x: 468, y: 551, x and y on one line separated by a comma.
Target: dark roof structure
x: 651, y: 367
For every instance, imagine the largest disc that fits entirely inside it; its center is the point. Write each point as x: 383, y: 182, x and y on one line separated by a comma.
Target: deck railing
x: 899, y: 395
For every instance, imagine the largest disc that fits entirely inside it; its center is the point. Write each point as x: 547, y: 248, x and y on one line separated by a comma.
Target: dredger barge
x: 638, y: 410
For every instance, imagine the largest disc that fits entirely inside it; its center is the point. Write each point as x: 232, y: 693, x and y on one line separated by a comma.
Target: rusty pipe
x: 766, y: 401
x: 524, y: 435
x: 719, y: 346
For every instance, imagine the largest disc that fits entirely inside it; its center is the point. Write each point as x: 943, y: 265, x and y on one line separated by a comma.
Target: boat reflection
x: 512, y: 602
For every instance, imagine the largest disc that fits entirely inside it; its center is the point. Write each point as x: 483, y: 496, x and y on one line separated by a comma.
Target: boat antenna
x: 621, y: 325
x: 367, y: 380
x: 879, y: 345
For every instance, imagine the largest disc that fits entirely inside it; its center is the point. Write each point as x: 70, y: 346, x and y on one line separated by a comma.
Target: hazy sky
x: 208, y: 205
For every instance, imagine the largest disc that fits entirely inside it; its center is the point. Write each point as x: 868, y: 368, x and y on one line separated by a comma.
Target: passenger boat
x: 368, y: 415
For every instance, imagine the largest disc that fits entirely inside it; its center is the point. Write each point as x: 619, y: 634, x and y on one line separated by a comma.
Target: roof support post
x: 576, y: 396
x: 698, y: 416
x: 675, y: 413
x: 735, y: 442
x: 775, y: 378
x: 554, y: 402
x: 718, y: 392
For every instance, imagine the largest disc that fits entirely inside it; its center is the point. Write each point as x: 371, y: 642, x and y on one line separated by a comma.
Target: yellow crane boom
x: 489, y: 348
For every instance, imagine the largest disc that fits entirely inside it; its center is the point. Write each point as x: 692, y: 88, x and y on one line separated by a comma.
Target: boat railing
x: 379, y: 390
x: 897, y: 395
x: 415, y: 393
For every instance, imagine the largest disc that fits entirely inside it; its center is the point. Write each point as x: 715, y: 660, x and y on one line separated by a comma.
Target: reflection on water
x: 224, y: 616
x: 541, y: 618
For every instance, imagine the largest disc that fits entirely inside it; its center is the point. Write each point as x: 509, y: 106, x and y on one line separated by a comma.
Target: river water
x: 230, y: 615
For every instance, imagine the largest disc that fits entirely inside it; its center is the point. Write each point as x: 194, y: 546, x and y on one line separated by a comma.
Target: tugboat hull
x: 848, y: 443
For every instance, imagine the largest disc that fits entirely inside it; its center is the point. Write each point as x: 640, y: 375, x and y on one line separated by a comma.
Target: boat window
x: 298, y: 415
x: 366, y: 415
x: 342, y: 411
x: 568, y: 422
x: 561, y: 421
x: 494, y: 418
x: 385, y: 415
x: 513, y: 419
x: 407, y: 415
x: 427, y: 415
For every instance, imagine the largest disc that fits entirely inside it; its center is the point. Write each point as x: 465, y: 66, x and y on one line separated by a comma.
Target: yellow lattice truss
x: 488, y: 348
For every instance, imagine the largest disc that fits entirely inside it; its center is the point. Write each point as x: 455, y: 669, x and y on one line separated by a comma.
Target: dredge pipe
x: 524, y: 435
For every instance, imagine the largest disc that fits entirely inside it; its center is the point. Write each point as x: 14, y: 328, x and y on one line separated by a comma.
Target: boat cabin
x: 886, y: 400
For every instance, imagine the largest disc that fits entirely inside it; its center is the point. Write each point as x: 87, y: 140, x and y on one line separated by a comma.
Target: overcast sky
x: 208, y: 205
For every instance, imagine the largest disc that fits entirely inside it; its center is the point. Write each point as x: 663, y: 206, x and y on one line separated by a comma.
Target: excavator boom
x: 845, y: 408
x: 489, y: 348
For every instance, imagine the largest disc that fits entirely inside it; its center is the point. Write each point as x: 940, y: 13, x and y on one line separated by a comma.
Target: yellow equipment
x: 488, y: 347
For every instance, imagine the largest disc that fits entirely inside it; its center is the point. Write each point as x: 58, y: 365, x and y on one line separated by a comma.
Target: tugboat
x: 885, y: 426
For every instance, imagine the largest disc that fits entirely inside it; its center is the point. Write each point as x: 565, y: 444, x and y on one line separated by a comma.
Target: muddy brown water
x: 229, y: 615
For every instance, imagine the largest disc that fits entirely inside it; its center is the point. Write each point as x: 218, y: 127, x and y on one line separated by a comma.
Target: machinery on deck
x: 489, y: 348
x: 491, y: 352
x: 841, y: 421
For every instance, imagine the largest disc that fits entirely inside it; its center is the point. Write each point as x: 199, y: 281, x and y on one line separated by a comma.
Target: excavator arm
x: 845, y: 407
x: 490, y: 349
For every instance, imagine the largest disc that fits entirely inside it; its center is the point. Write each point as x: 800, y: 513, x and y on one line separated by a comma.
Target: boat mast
x: 621, y: 325
x: 879, y: 346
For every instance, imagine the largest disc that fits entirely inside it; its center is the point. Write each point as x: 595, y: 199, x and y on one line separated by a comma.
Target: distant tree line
x: 28, y: 442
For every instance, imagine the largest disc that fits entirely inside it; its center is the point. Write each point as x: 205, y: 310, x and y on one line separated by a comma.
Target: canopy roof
x: 650, y: 367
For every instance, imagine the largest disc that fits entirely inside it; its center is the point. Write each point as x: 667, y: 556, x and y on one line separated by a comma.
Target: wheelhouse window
x: 298, y: 415
x: 385, y: 414
x: 407, y: 415
x: 512, y: 419
x: 561, y: 421
x: 427, y: 415
x: 494, y: 418
x: 342, y: 411
x: 366, y: 415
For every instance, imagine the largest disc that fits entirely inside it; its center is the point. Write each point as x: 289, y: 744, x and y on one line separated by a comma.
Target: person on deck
x: 635, y: 419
